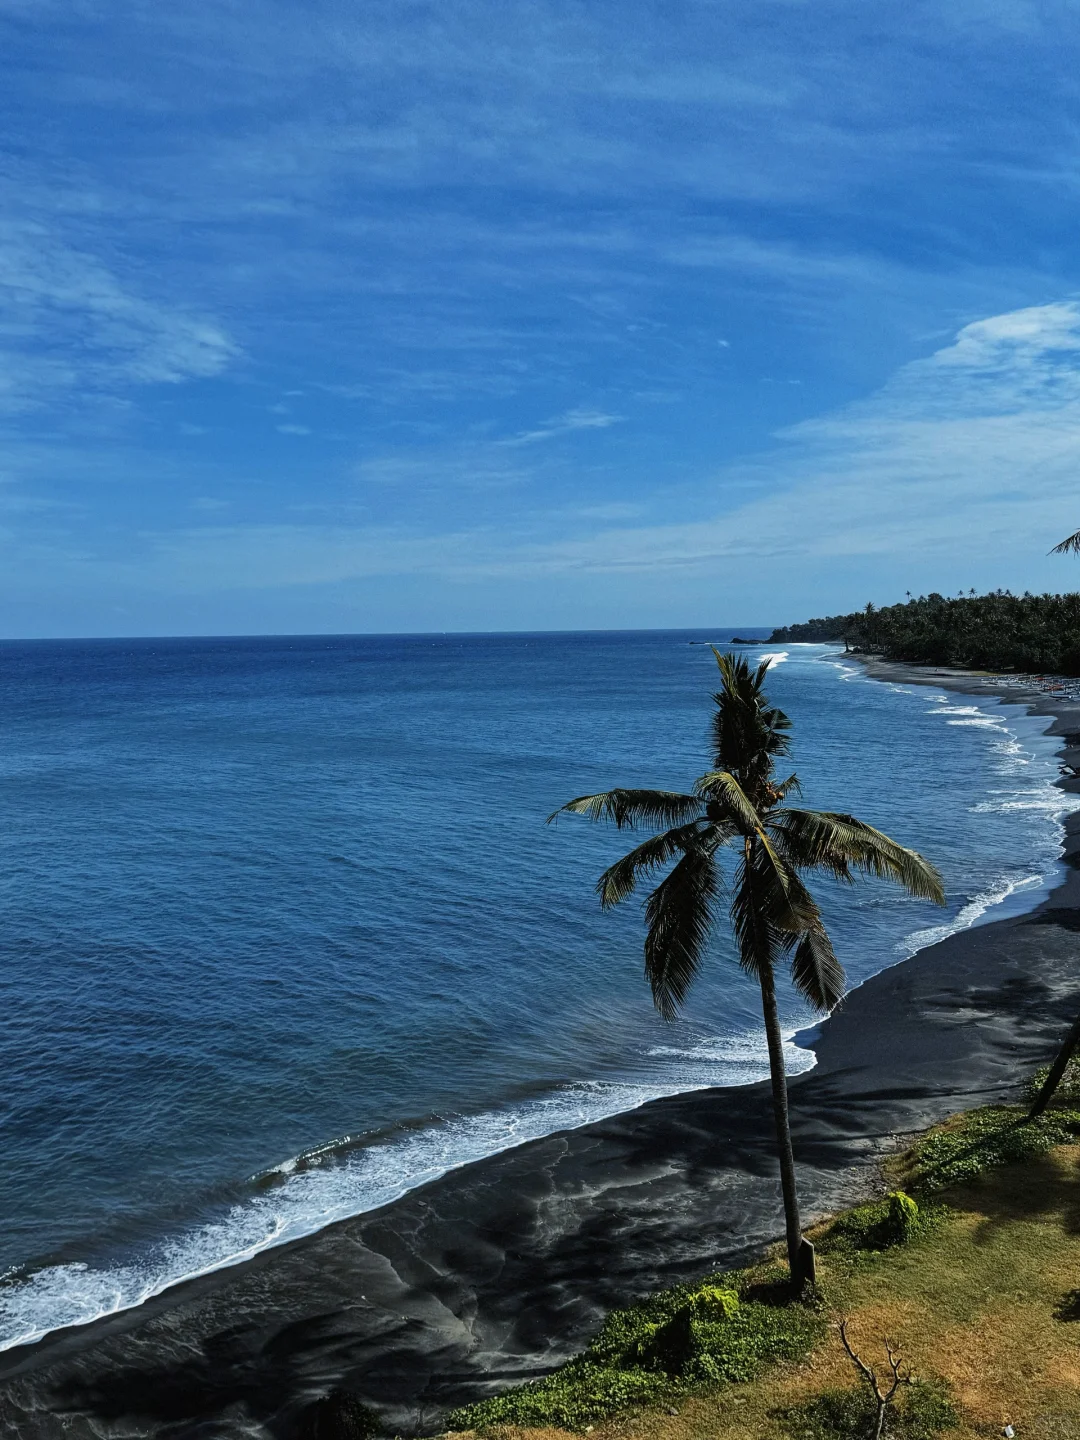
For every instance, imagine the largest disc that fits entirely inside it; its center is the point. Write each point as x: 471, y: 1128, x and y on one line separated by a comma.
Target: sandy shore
x: 501, y: 1269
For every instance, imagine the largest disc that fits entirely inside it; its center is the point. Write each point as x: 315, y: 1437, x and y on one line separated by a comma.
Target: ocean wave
x: 847, y: 672
x: 1012, y: 747
x: 856, y: 672
x: 969, y: 715
x: 345, y: 1179
x: 971, y: 913
x: 1047, y: 800
x: 744, y: 1058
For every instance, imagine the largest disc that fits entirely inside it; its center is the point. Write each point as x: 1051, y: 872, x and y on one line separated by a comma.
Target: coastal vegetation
x: 738, y: 808
x: 997, y: 631
x: 671, y: 1344
x: 968, y: 1277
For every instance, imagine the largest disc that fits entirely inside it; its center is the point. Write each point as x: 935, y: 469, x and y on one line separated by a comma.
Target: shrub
x: 713, y: 1302
x: 881, y: 1224
x: 627, y: 1332
x: 982, y: 1139
x: 923, y: 1410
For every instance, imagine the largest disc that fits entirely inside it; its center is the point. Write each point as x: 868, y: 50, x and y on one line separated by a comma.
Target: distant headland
x: 996, y: 631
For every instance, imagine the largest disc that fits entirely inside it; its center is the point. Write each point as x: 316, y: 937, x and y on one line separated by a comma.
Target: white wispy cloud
x: 68, y: 320
x: 968, y: 456
x: 565, y: 424
x: 422, y: 473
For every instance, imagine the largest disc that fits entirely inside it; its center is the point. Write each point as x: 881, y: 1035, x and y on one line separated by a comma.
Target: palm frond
x: 1069, y: 546
x: 679, y: 915
x: 721, y: 787
x: 802, y: 910
x: 771, y: 908
x: 801, y: 853
x: 619, y: 880
x: 817, y: 973
x: 827, y: 840
x: 759, y: 939
x: 627, y: 808
x: 748, y: 732
x: 787, y: 787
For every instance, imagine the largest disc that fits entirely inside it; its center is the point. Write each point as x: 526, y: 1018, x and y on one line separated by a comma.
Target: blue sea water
x: 285, y: 934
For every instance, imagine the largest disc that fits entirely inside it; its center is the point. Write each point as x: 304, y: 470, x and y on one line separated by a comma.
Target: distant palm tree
x: 740, y: 804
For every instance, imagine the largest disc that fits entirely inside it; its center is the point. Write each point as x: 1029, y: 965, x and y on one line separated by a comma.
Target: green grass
x: 1067, y: 1093
x: 922, y: 1411
x: 979, y: 1140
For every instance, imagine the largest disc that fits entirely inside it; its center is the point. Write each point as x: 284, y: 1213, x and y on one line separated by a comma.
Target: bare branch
x: 895, y: 1365
x: 857, y: 1361
x: 900, y: 1376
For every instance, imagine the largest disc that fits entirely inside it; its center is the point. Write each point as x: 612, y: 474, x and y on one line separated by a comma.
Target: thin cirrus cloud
x: 965, y: 458
x: 68, y: 321
x: 565, y: 424
x: 967, y: 452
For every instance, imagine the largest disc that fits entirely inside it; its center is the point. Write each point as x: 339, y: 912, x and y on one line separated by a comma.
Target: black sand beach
x: 501, y: 1269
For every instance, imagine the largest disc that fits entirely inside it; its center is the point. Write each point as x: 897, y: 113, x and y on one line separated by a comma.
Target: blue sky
x: 493, y: 315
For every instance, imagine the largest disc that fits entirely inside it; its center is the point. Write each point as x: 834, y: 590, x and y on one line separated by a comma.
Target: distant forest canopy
x: 999, y: 631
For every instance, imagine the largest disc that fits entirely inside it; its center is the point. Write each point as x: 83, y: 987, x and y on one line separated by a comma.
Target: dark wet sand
x: 501, y: 1269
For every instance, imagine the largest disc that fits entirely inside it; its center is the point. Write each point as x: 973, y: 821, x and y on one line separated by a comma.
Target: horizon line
x: 373, y: 634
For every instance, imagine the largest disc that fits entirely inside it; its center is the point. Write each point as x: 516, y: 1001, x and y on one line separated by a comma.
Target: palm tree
x: 739, y: 806
x: 1070, y: 545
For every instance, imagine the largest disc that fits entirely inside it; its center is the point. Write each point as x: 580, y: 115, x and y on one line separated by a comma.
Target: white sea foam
x: 969, y: 715
x: 302, y: 1195
x: 847, y: 672
x: 773, y: 658
x: 971, y: 913
x: 743, y: 1058
x: 1045, y: 800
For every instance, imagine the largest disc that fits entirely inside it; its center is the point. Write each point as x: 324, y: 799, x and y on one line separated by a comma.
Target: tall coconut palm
x: 739, y: 808
x: 1070, y: 545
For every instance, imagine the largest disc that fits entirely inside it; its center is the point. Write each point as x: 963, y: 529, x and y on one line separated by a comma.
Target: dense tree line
x: 998, y: 631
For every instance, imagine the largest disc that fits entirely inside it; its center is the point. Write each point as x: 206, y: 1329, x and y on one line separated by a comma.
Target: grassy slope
x: 973, y: 1301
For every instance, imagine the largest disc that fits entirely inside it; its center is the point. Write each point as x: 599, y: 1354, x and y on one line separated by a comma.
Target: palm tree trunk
x: 1057, y: 1070
x: 800, y: 1261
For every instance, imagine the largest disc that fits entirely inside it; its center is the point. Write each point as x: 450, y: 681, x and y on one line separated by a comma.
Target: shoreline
x: 500, y: 1269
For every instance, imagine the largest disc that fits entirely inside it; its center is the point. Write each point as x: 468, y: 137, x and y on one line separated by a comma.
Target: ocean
x: 285, y: 934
